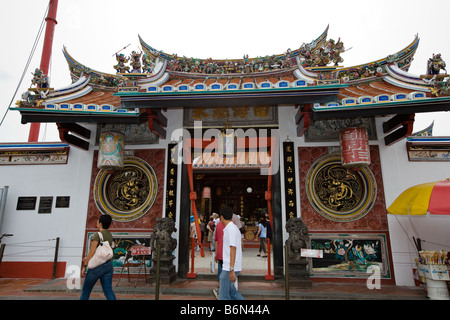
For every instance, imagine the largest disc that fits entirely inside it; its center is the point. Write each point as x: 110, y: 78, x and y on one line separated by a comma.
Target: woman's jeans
x: 104, y: 272
x: 262, y: 245
x: 227, y: 289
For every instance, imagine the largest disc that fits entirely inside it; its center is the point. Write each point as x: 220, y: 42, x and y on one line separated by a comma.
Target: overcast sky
x: 93, y: 30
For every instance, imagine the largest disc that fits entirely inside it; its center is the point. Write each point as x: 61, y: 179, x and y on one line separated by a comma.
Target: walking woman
x: 104, y: 272
x: 262, y: 233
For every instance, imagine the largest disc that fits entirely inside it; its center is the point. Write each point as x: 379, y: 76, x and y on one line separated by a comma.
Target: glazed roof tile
x: 258, y: 80
x: 377, y: 87
x: 354, y: 91
x: 385, y: 86
x: 173, y: 82
x: 222, y: 81
x: 98, y: 97
x: 210, y: 81
x: 235, y: 80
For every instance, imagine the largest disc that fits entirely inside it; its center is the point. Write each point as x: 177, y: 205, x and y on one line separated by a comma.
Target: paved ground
x: 264, y: 300
x: 252, y: 264
x: 251, y: 284
x: 194, y: 297
x: 198, y: 289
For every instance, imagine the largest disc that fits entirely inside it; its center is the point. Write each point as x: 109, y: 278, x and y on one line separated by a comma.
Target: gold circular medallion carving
x: 126, y: 194
x: 339, y: 193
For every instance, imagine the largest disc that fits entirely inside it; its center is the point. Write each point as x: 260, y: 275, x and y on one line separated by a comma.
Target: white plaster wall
x: 399, y: 174
x: 33, y: 233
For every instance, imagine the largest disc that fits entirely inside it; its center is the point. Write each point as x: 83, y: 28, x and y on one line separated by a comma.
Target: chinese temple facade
x: 295, y: 134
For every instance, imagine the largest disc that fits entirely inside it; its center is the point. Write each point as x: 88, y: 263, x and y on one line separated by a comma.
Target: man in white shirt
x: 232, y: 257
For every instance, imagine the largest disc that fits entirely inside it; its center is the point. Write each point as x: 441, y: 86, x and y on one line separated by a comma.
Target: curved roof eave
x: 403, y: 54
x: 81, y: 69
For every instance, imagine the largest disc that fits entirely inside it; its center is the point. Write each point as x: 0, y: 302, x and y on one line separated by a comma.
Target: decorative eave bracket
x: 398, y: 128
x: 65, y: 135
x: 157, y: 122
x: 303, y: 118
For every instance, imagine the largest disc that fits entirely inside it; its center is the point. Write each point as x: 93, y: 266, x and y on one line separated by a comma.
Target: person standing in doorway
x: 268, y: 226
x: 203, y: 230
x: 211, y: 226
x: 237, y: 221
x: 216, y: 220
x: 104, y: 272
x: 262, y: 234
x: 193, y: 234
x: 232, y: 257
x: 218, y: 239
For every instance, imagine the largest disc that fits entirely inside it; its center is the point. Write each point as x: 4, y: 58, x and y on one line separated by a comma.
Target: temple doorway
x: 245, y: 180
x: 244, y: 191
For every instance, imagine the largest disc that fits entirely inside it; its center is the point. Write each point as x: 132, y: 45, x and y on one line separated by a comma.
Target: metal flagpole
x: 45, y: 58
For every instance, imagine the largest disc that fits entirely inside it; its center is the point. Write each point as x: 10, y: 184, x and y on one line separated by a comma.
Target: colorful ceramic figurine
x: 136, y: 62
x: 436, y: 64
x: 147, y: 64
x: 120, y: 66
x: 40, y: 80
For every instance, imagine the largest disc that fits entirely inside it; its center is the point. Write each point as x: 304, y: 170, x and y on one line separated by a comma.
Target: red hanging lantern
x: 206, y: 194
x: 355, y: 150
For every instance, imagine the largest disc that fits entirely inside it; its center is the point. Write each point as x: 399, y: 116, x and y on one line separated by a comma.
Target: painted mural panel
x: 123, y: 241
x: 349, y: 255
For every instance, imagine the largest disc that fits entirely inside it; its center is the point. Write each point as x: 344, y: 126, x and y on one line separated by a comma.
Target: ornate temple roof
x: 304, y: 68
x: 310, y: 77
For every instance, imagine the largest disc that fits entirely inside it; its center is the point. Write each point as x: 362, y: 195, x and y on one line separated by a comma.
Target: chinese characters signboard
x: 171, y: 185
x: 289, y: 176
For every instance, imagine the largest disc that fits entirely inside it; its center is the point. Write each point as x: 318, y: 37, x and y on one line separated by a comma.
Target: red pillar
x: 268, y: 197
x: 45, y: 58
x: 193, y: 194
